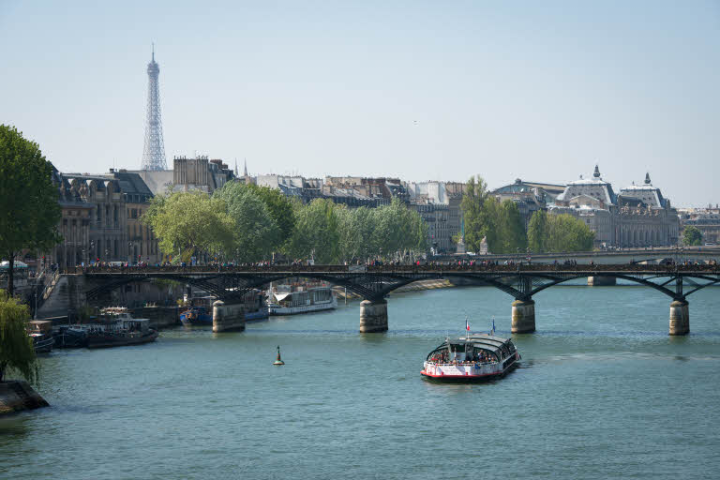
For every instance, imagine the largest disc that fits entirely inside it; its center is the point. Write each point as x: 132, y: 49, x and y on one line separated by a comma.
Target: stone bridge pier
x: 373, y: 316
x: 228, y: 317
x: 523, y: 316
x: 679, y: 317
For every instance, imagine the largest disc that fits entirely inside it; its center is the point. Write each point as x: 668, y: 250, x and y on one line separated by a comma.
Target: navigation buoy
x: 278, y: 361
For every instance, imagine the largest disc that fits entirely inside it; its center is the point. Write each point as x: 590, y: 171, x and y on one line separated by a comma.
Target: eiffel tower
x: 154, y: 151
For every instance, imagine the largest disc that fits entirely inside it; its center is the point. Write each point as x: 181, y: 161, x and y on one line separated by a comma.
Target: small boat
x: 196, y: 316
x: 41, y: 333
x: 292, y: 299
x: 119, y: 328
x: 475, y: 357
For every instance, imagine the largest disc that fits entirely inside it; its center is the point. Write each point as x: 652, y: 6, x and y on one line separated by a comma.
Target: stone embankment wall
x: 63, y: 297
x: 18, y: 395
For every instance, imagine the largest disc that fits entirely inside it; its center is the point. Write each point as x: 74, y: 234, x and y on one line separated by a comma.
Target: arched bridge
x: 374, y: 283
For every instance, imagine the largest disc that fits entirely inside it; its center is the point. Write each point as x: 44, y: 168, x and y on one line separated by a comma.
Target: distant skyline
x: 421, y: 90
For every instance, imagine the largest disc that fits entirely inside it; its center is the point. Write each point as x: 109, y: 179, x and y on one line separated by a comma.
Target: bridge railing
x: 425, y: 268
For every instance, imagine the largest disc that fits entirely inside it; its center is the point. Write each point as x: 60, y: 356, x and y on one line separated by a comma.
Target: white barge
x: 296, y: 299
x: 476, y: 357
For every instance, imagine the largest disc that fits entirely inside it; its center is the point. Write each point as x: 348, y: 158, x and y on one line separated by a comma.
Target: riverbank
x: 17, y: 396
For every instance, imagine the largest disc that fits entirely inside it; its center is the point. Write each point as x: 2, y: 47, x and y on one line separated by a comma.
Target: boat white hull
x: 277, y: 310
x: 469, y: 372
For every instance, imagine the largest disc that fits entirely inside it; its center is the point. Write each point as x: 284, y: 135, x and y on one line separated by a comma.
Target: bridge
x: 373, y: 283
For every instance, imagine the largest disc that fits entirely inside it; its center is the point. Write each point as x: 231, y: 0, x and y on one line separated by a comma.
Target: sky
x: 420, y: 90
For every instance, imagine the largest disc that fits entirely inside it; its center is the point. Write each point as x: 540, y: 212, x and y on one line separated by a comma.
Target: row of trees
x: 503, y: 227
x: 247, y: 223
x: 558, y: 233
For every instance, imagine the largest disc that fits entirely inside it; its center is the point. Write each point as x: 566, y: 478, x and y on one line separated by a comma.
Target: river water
x: 603, y: 392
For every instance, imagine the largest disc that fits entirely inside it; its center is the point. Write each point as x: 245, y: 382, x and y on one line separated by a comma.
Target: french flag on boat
x: 467, y: 324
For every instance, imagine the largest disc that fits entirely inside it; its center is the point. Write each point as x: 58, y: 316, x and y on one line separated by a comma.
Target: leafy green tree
x: 29, y: 208
x: 281, y: 210
x: 255, y: 233
x: 566, y: 233
x: 511, y: 227
x: 537, y: 231
x: 692, y: 236
x: 472, y: 205
x: 356, y: 232
x: 316, y: 232
x: 16, y: 348
x: 491, y: 224
x: 398, y: 230
x: 332, y: 233
x: 190, y: 223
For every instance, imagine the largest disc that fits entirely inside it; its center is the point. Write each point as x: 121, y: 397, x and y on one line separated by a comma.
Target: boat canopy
x: 282, y: 296
x: 5, y: 265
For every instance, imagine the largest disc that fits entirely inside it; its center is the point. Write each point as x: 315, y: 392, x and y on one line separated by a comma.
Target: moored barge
x: 473, y: 358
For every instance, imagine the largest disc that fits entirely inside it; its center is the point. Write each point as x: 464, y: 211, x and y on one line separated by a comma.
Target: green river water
x: 603, y: 392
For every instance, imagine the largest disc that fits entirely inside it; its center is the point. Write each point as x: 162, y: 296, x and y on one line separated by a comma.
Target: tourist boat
x: 475, y: 357
x: 118, y: 328
x: 292, y: 299
x: 41, y: 333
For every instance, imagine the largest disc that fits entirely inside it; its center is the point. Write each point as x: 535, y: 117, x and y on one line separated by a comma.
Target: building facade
x: 101, y: 220
x: 637, y: 217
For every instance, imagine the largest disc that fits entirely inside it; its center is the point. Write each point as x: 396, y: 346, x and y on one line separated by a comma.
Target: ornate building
x: 74, y: 227
x: 637, y: 217
x: 101, y: 220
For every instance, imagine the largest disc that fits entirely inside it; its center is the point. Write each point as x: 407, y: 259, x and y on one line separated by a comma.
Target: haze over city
x: 418, y: 90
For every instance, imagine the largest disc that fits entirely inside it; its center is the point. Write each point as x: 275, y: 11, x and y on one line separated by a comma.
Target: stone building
x: 142, y: 245
x: 437, y: 218
x: 350, y: 191
x: 101, y: 219
x: 74, y: 227
x: 637, y: 217
x: 707, y: 220
x: 188, y: 174
x: 438, y: 203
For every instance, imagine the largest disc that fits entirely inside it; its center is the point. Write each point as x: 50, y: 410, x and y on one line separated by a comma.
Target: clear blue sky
x: 422, y: 90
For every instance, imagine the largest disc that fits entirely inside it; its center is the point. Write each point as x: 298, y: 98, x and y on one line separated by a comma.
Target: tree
x: 255, y: 233
x: 472, y: 205
x: 490, y: 220
x: 692, y: 236
x: 281, y: 210
x: 316, y: 232
x: 566, y: 233
x: 188, y: 223
x: 29, y: 208
x: 511, y: 226
x: 16, y: 347
x: 398, y: 230
x: 537, y: 232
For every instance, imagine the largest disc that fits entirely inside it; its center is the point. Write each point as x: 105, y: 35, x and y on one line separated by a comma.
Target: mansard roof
x: 647, y: 193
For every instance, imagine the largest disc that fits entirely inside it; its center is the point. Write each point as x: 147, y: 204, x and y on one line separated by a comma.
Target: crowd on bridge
x: 417, y: 267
